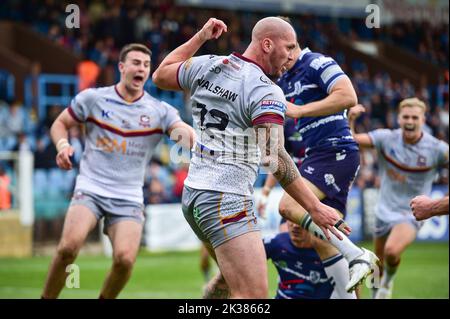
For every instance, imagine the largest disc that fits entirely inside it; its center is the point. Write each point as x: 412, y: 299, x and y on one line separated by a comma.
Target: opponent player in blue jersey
x: 320, y: 94
x: 301, y: 273
x: 408, y: 162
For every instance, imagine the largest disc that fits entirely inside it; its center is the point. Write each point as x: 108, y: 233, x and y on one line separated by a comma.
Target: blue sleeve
x: 324, y: 72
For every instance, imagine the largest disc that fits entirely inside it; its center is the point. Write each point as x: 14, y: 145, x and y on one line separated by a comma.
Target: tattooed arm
x: 270, y: 139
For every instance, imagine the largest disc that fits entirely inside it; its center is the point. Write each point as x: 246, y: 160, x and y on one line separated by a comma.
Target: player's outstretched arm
x: 165, y: 76
x: 59, y: 133
x: 424, y: 207
x: 363, y: 139
x: 342, y: 96
x: 270, y: 139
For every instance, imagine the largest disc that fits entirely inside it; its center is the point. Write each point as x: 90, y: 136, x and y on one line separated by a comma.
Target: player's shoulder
x: 433, y: 141
x: 429, y: 138
x: 204, y: 60
x: 92, y: 94
x: 317, y: 61
x: 280, y: 238
x: 275, y: 239
x: 259, y: 82
x: 152, y: 103
x: 386, y: 132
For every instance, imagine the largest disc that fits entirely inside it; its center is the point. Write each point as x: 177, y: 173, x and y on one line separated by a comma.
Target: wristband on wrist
x: 62, y: 144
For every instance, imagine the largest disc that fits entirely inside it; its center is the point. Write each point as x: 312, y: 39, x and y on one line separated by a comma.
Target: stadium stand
x: 30, y: 99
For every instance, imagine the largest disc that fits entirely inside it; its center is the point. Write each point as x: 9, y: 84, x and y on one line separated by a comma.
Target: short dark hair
x: 133, y: 47
x: 287, y: 19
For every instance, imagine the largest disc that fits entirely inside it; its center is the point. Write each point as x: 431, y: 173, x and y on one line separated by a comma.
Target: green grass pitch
x: 423, y: 273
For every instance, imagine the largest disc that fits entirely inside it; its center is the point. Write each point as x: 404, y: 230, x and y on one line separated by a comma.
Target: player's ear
x: 121, y: 66
x: 267, y: 45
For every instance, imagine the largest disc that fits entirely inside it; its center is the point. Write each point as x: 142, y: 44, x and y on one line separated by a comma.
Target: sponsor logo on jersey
x: 298, y: 265
x: 396, y: 176
x: 320, y: 122
x: 309, y: 170
x: 273, y: 105
x: 110, y: 145
x: 421, y: 160
x: 144, y: 121
x: 299, y: 89
x: 215, y: 69
x: 314, y: 276
x: 321, y: 62
x: 340, y: 156
x: 233, y: 64
x: 126, y: 124
x: 265, y: 79
x: 330, y: 180
x: 106, y: 114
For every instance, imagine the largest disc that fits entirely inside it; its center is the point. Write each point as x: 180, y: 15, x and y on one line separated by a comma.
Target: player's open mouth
x: 410, y: 128
x: 138, y: 79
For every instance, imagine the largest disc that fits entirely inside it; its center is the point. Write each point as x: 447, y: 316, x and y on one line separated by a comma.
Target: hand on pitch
x: 212, y: 29
x: 63, y: 158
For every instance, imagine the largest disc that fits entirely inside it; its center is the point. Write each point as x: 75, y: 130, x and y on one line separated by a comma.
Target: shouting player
x: 408, y: 160
x: 239, y: 115
x: 123, y: 126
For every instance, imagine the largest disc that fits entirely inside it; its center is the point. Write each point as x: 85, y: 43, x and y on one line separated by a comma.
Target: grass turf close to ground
x: 423, y: 273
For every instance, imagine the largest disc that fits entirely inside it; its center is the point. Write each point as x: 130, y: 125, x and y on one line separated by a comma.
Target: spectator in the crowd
x: 180, y: 175
x: 5, y: 194
x: 156, y: 192
x: 163, y: 25
x: 88, y: 72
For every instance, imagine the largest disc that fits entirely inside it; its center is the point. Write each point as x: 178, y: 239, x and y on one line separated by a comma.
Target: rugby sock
x: 388, y: 274
x: 336, y: 268
x: 348, y: 249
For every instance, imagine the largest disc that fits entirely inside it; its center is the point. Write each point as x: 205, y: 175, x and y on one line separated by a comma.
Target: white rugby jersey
x: 406, y: 170
x: 120, y: 140
x: 229, y: 95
